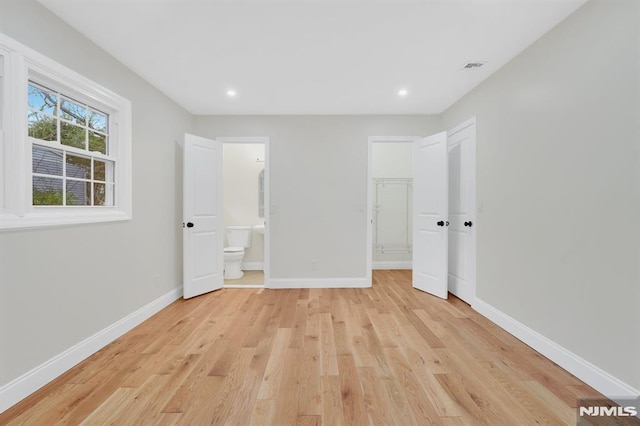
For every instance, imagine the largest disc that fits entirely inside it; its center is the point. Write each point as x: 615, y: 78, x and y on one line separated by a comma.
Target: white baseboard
x: 253, y: 266
x: 398, y: 264
x: 18, y: 389
x: 318, y: 283
x: 600, y: 380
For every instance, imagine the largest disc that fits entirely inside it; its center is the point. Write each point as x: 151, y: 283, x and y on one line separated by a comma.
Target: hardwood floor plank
x: 289, y: 390
x: 299, y: 331
x: 552, y: 402
x: 113, y: 407
x: 464, y: 361
x: 399, y: 410
x: 381, y: 324
x: 191, y: 388
x: 276, y: 366
x: 328, y: 361
x: 540, y: 411
x: 258, y: 329
x: 263, y: 412
x: 312, y: 324
x: 374, y: 399
x: 386, y: 355
x: 308, y: 421
x: 309, y: 399
x: 374, y: 347
x: 223, y: 405
x: 422, y: 409
x: 351, y: 390
x: 332, y: 410
x: 288, y: 319
x: 233, y: 346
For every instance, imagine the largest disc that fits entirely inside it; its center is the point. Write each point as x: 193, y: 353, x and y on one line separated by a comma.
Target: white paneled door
x: 202, y: 211
x: 430, y: 214
x: 462, y: 232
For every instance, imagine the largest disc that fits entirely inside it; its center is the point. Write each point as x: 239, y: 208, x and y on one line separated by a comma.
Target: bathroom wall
x: 392, y: 160
x: 240, y: 179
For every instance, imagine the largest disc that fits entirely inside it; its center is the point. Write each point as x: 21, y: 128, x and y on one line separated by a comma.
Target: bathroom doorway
x: 245, y: 179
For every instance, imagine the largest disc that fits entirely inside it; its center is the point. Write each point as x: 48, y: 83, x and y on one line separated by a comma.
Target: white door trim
x: 263, y: 140
x: 371, y: 141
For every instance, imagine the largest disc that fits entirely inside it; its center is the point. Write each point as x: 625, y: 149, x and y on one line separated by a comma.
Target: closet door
x: 462, y: 232
x: 430, y: 214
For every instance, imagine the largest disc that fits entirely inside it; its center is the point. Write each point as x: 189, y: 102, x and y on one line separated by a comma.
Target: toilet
x: 238, y: 238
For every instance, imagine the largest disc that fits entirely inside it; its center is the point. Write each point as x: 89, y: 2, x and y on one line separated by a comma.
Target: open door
x: 430, y: 214
x: 462, y: 206
x: 203, y: 227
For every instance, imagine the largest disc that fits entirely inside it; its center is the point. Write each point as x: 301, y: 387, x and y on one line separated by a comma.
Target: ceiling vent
x: 473, y: 65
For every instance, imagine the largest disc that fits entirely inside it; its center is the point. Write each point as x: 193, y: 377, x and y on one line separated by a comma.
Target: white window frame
x: 19, y: 65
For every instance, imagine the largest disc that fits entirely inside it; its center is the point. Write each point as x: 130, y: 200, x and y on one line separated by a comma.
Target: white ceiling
x: 313, y: 56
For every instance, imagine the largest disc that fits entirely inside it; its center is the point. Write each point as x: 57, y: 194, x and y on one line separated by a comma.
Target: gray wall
x: 61, y: 285
x: 318, y: 171
x: 557, y: 141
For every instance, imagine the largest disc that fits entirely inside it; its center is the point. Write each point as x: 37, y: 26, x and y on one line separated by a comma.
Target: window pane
x: 78, y: 167
x: 103, y: 170
x: 42, y: 127
x: 72, y: 135
x: 47, y: 191
x: 42, y: 100
x: 78, y: 193
x: 97, y: 142
x: 98, y: 121
x: 103, y: 194
x: 73, y: 112
x: 46, y: 160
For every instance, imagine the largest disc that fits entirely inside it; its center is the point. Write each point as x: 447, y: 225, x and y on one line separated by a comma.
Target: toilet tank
x: 239, y: 236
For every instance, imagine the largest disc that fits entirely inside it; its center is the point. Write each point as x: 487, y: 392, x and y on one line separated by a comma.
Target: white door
x: 462, y: 231
x: 430, y: 211
x: 203, y: 223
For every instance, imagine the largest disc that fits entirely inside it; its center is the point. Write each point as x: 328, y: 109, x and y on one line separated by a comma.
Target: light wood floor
x: 384, y: 355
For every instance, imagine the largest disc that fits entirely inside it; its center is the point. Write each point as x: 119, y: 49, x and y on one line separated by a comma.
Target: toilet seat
x: 233, y: 249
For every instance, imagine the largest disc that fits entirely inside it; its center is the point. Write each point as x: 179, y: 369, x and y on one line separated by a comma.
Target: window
x: 66, y: 143
x: 69, y: 146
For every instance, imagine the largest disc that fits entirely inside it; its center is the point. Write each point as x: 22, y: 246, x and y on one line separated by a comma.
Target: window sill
x: 51, y: 218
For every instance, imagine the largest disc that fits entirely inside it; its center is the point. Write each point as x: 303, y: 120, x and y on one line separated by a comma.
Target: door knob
x: 190, y: 225
x: 440, y: 223
x: 469, y: 224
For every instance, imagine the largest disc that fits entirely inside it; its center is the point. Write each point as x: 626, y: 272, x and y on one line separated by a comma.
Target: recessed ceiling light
x: 403, y: 92
x: 231, y: 93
